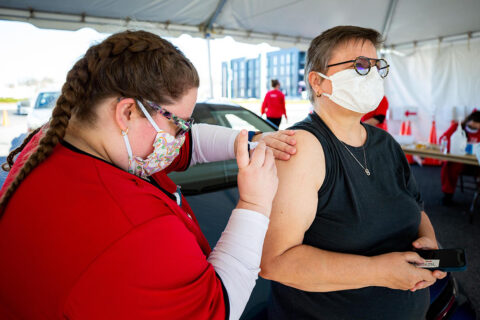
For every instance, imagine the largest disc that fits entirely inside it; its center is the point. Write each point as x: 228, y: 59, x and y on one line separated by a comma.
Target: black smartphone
x: 443, y: 259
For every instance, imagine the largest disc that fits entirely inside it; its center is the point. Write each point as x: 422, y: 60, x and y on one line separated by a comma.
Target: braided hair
x: 128, y: 64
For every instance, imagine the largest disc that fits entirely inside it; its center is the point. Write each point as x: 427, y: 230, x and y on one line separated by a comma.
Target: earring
x: 124, y: 133
x: 318, y: 94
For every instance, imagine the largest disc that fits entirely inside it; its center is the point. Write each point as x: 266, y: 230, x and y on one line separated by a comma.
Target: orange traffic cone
x: 432, y: 140
x: 433, y: 133
x: 5, y: 121
x: 408, y: 129
x: 402, y: 128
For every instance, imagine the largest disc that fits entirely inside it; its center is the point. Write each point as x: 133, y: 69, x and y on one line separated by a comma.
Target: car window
x: 238, y: 123
x: 240, y: 119
x: 218, y: 175
x: 46, y: 100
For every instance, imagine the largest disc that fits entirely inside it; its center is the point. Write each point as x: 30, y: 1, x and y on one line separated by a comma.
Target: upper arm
x: 295, y: 203
x: 156, y: 271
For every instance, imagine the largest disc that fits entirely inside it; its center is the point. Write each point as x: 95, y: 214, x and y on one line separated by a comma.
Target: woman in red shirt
x: 452, y: 170
x: 274, y: 104
x: 91, y: 227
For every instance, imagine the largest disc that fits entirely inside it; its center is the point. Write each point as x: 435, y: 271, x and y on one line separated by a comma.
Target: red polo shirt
x: 274, y: 104
x: 83, y: 239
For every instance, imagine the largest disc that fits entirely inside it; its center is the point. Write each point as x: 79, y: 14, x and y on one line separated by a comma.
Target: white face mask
x: 470, y: 130
x: 354, y: 92
x: 165, y: 149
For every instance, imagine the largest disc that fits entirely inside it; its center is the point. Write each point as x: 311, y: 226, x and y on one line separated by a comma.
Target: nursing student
x: 91, y: 227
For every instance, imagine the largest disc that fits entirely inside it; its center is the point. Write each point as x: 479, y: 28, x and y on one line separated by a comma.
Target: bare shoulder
x: 308, y: 162
x: 307, y: 141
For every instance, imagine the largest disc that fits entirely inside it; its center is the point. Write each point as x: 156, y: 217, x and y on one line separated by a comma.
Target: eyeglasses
x: 183, y: 125
x: 363, y: 65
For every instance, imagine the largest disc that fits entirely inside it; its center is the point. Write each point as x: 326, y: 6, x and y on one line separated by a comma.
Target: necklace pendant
x: 367, y: 172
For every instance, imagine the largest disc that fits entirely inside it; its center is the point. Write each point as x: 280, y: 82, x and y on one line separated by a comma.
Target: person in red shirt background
x: 452, y: 170
x: 274, y: 104
x: 377, y: 116
x: 91, y: 226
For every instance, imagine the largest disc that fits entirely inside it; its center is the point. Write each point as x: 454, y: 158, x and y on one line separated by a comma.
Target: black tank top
x: 359, y: 214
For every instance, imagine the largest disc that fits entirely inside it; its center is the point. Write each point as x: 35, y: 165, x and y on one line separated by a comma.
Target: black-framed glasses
x: 363, y: 65
x: 183, y: 125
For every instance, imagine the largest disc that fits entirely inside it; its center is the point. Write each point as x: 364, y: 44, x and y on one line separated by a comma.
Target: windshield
x: 241, y: 119
x: 46, y: 100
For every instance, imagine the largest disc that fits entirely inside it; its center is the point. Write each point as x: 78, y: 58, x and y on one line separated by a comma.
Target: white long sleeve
x: 237, y: 255
x: 212, y: 143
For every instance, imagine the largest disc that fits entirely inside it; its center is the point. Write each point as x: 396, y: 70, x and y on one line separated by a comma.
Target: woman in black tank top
x: 347, y: 213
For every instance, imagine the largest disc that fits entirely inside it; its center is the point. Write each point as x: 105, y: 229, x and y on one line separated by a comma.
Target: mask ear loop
x: 127, y: 143
x: 150, y: 119
x: 323, y: 76
x: 327, y: 78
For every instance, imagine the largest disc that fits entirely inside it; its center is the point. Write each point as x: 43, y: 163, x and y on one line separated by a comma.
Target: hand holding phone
x: 443, y: 259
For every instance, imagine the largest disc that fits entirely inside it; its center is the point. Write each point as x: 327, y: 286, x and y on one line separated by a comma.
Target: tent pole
x: 207, y: 36
x: 389, y: 18
x: 209, y: 23
x: 449, y: 38
x: 207, y: 29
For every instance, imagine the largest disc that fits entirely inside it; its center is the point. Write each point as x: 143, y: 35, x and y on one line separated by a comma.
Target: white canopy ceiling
x: 281, y: 23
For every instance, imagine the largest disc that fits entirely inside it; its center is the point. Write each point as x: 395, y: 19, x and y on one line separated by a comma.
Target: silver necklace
x: 364, y: 158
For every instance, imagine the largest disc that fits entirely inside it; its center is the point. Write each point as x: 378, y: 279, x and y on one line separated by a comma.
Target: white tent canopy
x: 283, y: 23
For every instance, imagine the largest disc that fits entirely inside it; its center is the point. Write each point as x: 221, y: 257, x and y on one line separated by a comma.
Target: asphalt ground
x: 452, y: 226
x: 14, y: 126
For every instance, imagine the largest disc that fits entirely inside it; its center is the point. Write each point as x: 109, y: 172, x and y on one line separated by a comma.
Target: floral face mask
x: 165, y: 149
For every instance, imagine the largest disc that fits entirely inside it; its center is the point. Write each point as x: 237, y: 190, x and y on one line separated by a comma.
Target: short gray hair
x: 321, y: 48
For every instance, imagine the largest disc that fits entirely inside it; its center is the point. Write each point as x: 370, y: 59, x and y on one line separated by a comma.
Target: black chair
x: 470, y: 180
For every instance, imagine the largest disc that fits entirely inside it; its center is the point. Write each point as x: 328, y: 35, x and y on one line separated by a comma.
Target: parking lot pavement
x: 17, y: 125
x: 3, y: 174
x: 452, y: 227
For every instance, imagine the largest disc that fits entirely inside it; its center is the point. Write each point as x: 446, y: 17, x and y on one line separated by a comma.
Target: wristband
x: 251, y: 134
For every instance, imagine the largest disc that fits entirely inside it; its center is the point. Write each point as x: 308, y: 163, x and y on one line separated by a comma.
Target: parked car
x: 24, y: 107
x: 42, y: 109
x: 211, y: 192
